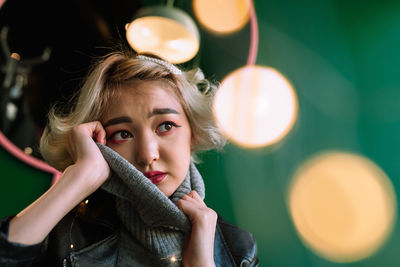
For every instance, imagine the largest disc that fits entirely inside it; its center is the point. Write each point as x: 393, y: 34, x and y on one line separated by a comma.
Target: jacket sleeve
x: 15, y: 254
x: 242, y: 243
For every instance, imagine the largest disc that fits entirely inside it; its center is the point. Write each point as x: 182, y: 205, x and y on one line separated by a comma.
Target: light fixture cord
x: 251, y: 60
x: 170, y: 3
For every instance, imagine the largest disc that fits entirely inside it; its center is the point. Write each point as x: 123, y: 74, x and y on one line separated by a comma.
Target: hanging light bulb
x: 165, y: 31
x: 222, y: 16
x: 255, y: 106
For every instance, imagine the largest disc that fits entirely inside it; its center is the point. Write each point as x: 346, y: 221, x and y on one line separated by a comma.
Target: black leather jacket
x: 95, y: 241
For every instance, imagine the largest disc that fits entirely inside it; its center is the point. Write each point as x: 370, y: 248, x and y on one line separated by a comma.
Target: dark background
x: 75, y: 31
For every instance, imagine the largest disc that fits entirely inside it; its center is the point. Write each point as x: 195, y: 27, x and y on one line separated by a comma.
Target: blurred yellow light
x: 222, y: 16
x: 164, y: 31
x: 255, y: 106
x: 343, y: 206
x: 28, y: 150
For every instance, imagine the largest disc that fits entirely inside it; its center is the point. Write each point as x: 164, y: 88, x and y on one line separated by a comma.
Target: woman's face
x: 148, y: 126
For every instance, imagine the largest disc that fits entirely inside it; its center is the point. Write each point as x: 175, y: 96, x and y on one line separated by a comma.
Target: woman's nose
x: 146, y: 150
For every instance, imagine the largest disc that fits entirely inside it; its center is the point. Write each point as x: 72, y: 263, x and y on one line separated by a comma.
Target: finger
x: 182, y: 205
x: 186, y: 207
x: 190, y: 205
x: 198, y: 214
x: 81, y: 137
x: 95, y: 130
x: 189, y: 199
x: 99, y: 133
x: 195, y: 195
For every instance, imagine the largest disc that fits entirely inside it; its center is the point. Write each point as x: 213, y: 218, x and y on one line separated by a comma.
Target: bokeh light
x: 255, y: 106
x: 163, y: 37
x: 342, y: 205
x: 222, y: 16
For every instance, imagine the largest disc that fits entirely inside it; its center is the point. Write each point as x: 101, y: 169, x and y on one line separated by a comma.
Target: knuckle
x: 212, y: 214
x: 208, y: 214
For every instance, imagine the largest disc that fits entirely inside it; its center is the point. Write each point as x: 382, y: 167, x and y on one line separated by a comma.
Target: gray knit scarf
x: 152, y: 222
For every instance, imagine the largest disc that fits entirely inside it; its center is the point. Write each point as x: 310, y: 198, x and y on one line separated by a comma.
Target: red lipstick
x: 155, y: 177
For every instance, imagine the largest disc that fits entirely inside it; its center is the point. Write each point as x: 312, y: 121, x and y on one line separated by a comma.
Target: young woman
x: 130, y: 194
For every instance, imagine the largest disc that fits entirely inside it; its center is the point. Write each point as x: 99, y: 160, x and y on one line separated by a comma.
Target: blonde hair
x: 103, y: 83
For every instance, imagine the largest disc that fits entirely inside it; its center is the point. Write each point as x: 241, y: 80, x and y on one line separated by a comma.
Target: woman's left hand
x: 198, y: 249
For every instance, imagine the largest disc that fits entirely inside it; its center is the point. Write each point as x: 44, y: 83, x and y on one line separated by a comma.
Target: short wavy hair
x: 104, y: 81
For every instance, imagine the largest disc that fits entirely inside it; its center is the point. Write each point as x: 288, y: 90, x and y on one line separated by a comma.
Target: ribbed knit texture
x: 148, y: 216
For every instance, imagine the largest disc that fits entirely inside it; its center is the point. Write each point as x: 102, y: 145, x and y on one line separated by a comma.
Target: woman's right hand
x: 86, y: 154
x: 78, y: 181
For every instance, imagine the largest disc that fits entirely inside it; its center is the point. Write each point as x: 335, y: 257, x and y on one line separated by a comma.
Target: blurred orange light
x: 255, y: 106
x: 166, y: 32
x: 222, y: 16
x: 15, y: 56
x: 343, y: 206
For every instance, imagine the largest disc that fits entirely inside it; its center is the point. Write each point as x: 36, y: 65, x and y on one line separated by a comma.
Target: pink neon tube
x: 32, y: 161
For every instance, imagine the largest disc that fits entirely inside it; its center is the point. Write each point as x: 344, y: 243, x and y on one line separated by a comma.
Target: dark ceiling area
x: 75, y: 31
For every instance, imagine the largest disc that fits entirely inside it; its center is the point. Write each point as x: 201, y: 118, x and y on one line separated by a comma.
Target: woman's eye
x: 120, y: 136
x: 166, y: 126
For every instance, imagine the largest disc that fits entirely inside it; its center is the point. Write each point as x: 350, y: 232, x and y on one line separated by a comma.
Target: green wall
x: 20, y: 184
x: 343, y: 59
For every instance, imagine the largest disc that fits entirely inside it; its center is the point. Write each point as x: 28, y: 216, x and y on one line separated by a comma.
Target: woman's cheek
x: 116, y: 142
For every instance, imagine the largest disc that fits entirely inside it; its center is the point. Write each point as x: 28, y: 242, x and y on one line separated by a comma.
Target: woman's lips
x: 155, y: 177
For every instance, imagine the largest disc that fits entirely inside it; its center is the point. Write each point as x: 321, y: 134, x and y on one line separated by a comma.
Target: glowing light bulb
x: 343, y: 206
x: 255, y: 106
x: 222, y: 16
x: 173, y: 259
x: 167, y: 32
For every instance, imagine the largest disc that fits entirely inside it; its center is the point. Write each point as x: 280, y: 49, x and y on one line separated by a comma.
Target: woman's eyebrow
x: 161, y: 111
x: 122, y: 119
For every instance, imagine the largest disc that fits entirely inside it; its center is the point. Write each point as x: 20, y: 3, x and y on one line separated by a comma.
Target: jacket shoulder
x: 241, y: 243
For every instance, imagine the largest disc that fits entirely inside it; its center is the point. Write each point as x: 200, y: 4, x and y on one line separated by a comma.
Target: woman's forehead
x: 147, y: 94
